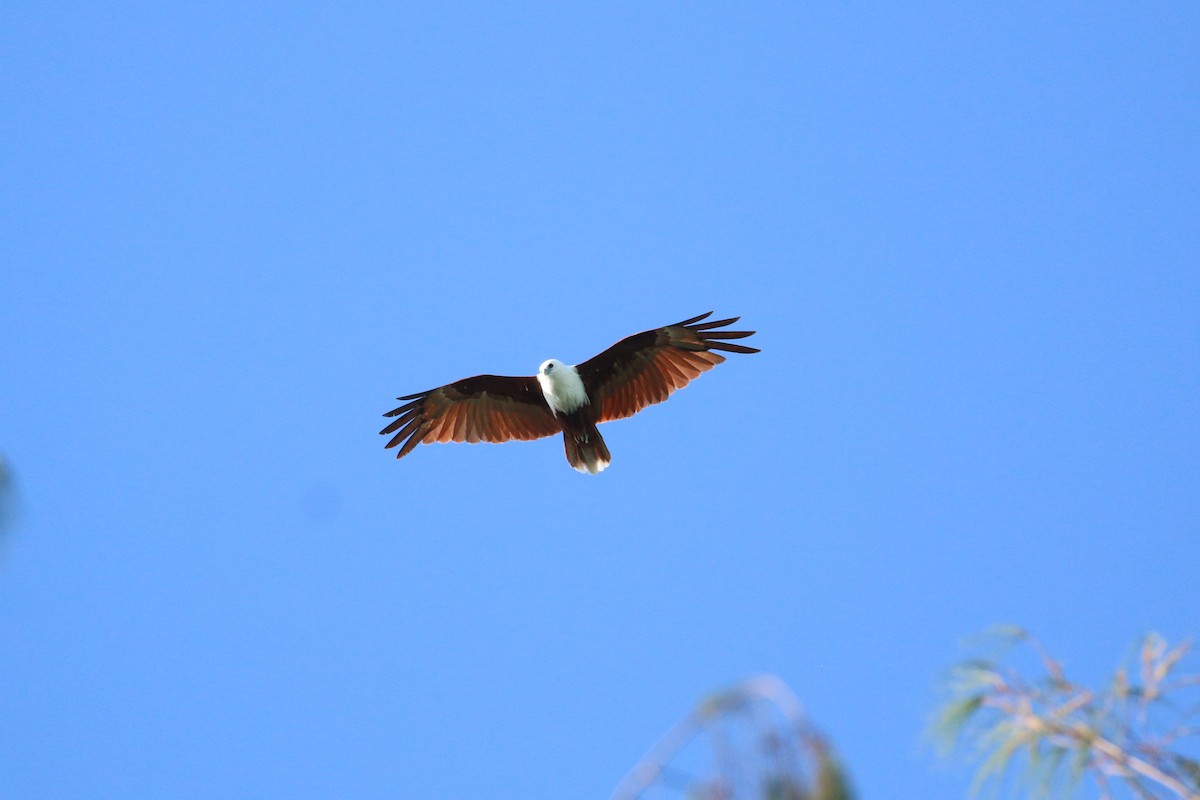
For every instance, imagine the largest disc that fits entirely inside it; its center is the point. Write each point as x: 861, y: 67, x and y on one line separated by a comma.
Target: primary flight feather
x: 637, y: 371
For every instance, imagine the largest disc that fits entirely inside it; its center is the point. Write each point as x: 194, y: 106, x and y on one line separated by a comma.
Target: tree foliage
x: 1140, y: 732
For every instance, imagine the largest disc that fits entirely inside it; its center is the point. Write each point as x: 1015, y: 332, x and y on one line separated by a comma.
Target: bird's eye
x: 549, y: 367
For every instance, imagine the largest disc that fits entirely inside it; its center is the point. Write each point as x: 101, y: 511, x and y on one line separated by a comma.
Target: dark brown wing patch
x: 645, y: 368
x: 486, y: 408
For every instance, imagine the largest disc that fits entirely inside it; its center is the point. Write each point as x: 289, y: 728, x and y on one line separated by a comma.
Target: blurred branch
x: 1135, y: 730
x: 756, y: 743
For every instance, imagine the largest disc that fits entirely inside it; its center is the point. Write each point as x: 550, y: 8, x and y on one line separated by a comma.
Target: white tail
x: 586, y: 450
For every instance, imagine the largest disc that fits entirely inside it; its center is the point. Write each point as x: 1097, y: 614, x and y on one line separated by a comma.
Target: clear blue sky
x: 968, y: 236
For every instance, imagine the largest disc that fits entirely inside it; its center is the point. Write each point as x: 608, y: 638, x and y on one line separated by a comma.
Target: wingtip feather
x: 709, y: 335
x: 730, y: 347
x: 695, y: 319
x: 717, y: 323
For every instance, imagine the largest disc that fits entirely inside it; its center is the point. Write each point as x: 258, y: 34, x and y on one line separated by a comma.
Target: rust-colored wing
x: 645, y: 368
x: 486, y: 408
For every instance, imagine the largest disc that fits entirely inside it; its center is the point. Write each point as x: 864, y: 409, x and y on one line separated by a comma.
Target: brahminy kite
x: 637, y: 371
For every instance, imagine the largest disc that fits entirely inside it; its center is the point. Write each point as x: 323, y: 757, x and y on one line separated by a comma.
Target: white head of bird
x: 561, y: 386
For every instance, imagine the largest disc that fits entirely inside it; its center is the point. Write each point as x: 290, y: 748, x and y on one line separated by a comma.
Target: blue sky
x: 966, y: 234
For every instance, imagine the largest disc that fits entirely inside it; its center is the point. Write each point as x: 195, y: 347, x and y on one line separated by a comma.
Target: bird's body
x: 568, y: 399
x: 572, y: 399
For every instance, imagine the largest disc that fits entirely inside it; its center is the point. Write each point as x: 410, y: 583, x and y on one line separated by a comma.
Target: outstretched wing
x: 486, y: 408
x: 645, y: 368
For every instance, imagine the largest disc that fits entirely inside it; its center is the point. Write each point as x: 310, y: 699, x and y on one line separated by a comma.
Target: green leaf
x: 1079, y: 760
x: 1014, y: 633
x: 973, y: 675
x: 954, y: 718
x: 1189, y: 770
x: 832, y: 783
x: 1053, y: 763
x: 1120, y: 684
x: 1000, y: 759
x: 783, y: 788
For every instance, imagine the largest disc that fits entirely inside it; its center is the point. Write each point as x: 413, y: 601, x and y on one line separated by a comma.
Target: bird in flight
x: 636, y: 372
